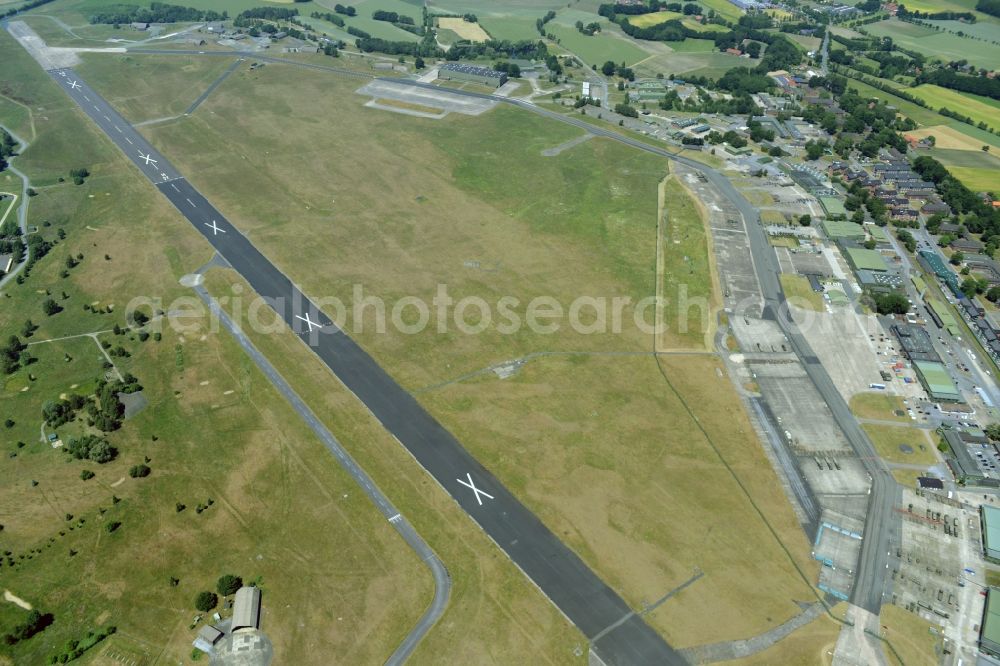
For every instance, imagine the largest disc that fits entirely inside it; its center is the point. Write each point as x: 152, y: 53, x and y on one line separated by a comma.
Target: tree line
x: 158, y: 12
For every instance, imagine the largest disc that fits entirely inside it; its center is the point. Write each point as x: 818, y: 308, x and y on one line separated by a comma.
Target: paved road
x: 561, y: 575
x: 22, y: 207
x: 442, y: 583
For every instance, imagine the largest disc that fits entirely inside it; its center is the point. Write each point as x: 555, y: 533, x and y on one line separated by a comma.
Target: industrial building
x: 963, y: 466
x: 941, y: 315
x: 459, y: 72
x: 841, y: 230
x: 935, y: 380
x: 989, y: 521
x: 915, y: 342
x: 862, y: 259
x: 989, y: 631
x: 246, y: 609
x: 833, y: 207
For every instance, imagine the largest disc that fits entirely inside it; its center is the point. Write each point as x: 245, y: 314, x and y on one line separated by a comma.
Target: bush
x: 86, y: 474
x: 228, y: 584
x: 139, y: 471
x: 206, y: 601
x: 113, y: 526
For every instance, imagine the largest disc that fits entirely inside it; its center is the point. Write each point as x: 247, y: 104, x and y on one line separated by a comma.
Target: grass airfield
x: 526, y: 225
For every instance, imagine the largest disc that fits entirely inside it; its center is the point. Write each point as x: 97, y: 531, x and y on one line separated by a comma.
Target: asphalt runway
x: 562, y: 576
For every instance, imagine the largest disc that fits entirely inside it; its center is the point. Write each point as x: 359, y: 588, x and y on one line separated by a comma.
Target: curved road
x: 442, y: 582
x: 22, y: 209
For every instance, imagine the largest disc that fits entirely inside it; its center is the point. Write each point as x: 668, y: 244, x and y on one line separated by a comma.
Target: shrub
x: 86, y: 474
x: 139, y: 471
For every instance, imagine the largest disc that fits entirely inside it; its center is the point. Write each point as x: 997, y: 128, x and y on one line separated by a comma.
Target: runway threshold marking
x: 395, y: 519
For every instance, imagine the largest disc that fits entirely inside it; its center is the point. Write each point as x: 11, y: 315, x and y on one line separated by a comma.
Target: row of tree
x: 157, y: 12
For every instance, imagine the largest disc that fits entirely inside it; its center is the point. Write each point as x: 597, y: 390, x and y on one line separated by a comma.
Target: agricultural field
x: 654, y: 18
x: 464, y: 29
x: 723, y: 8
x: 937, y: 44
x: 692, y: 56
x: 954, y: 138
x: 988, y: 29
x: 509, y: 28
x: 586, y: 231
x: 980, y: 109
x: 598, y: 48
x: 978, y: 179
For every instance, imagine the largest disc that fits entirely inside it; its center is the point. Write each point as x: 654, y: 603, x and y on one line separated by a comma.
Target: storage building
x: 246, y: 609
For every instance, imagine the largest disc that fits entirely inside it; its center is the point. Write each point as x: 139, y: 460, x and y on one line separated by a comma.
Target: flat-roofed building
x: 989, y: 631
x: 936, y: 381
x: 207, y: 638
x: 916, y: 342
x: 246, y: 609
x: 459, y: 72
x: 989, y: 521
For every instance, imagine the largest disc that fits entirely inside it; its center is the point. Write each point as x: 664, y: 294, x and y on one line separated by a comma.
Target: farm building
x: 207, y: 638
x: 459, y: 72
x: 246, y: 609
x: 936, y: 381
x: 989, y: 632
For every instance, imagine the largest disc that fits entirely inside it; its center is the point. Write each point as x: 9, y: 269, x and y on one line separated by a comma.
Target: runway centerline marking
x: 191, y: 202
x: 477, y: 491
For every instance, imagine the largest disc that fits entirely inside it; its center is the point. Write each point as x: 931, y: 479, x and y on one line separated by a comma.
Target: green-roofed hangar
x: 936, y: 381
x: 989, y: 631
x: 841, y: 229
x: 833, y: 207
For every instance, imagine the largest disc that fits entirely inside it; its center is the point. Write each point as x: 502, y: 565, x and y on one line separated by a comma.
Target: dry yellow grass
x: 879, y: 405
x: 811, y: 644
x: 911, y: 636
x: 948, y: 138
x: 464, y: 29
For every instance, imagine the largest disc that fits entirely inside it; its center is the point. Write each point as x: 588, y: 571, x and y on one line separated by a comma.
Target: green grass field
x: 509, y: 28
x: 888, y: 440
x: 919, y: 114
x: 580, y: 223
x: 724, y: 8
x: 598, y: 48
x: 214, y: 428
x: 978, y: 179
x: 800, y: 294
x: 980, y: 109
x: 937, y: 44
x: 654, y: 18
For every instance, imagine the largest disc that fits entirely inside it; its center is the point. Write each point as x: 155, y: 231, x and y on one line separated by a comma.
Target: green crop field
x: 653, y: 18
x: 510, y: 28
x: 514, y: 8
x: 978, y: 179
x: 692, y: 56
x: 980, y: 109
x: 983, y: 29
x: 919, y: 114
x: 937, y: 44
x: 599, y: 48
x: 723, y: 8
